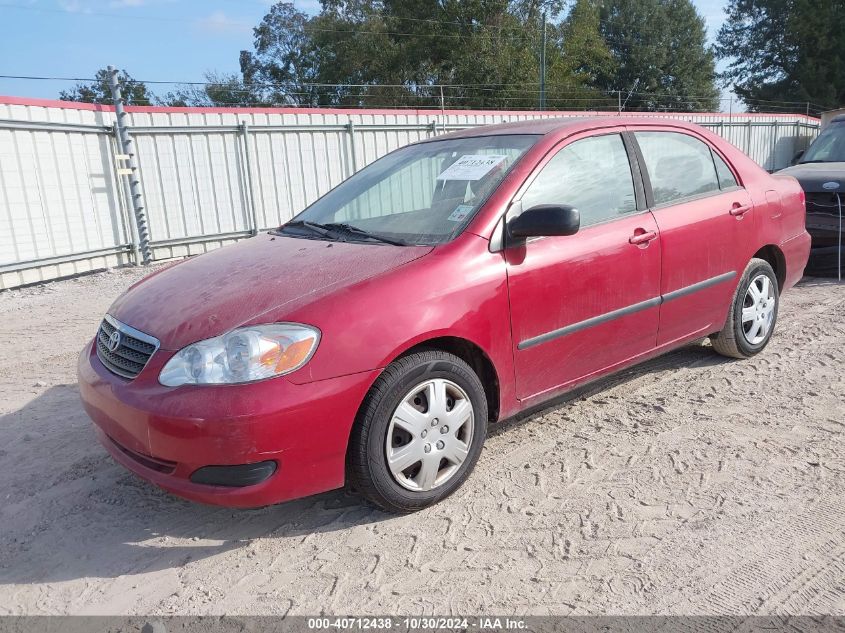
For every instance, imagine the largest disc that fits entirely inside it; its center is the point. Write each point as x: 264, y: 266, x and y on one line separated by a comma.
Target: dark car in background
x: 821, y: 172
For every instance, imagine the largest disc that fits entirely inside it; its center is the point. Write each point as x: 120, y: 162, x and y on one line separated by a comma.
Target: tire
x: 743, y: 339
x: 398, y: 406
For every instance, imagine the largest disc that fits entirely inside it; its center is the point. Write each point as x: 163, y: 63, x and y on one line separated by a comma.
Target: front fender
x: 459, y: 291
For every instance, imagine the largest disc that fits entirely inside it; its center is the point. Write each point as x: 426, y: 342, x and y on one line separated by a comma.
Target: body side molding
x: 615, y: 314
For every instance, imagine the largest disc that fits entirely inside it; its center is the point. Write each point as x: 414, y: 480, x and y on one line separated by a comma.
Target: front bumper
x: 166, y: 434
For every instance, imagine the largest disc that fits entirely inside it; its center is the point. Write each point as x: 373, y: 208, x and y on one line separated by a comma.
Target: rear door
x: 583, y: 303
x: 706, y: 229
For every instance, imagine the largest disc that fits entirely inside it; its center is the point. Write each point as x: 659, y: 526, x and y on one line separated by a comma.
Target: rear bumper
x: 796, y: 251
x: 166, y: 435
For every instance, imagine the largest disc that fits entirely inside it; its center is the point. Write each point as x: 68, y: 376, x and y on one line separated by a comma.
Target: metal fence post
x: 127, y: 145
x: 350, y: 127
x: 774, y: 144
x: 129, y: 227
x: 747, y: 150
x: 250, y: 187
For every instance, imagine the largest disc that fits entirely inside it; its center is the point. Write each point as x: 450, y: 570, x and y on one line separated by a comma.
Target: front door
x: 585, y: 302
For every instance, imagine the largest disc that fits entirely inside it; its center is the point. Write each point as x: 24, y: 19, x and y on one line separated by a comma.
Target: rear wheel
x: 753, y: 313
x: 419, y: 433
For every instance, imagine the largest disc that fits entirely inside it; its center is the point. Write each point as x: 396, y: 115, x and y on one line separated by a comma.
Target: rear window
x: 679, y: 166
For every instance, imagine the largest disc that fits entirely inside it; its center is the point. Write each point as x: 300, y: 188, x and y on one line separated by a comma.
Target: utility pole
x: 619, y: 101
x: 127, y: 146
x: 543, y: 64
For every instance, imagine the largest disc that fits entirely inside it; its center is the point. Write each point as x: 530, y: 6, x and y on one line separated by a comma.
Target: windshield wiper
x: 314, y: 227
x: 342, y: 226
x: 334, y: 230
x: 804, y: 162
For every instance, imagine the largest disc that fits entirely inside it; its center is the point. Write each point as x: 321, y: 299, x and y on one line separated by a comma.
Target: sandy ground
x: 689, y: 485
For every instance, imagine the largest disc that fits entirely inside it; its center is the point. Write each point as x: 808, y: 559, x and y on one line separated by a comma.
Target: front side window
x: 420, y: 194
x: 592, y: 175
x: 679, y: 166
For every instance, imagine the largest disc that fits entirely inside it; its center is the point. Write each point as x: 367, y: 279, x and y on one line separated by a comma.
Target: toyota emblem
x: 114, y: 341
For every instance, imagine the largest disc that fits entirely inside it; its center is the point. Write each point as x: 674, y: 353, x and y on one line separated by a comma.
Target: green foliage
x: 286, y: 59
x: 98, y: 91
x: 579, y: 61
x: 218, y: 91
x: 659, y: 46
x: 485, y: 54
x: 465, y: 54
x: 785, y: 51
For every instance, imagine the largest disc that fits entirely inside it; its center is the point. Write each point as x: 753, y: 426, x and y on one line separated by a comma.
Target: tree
x: 782, y: 51
x: 659, y: 46
x: 285, y: 64
x: 134, y: 92
x: 470, y: 54
x: 397, y: 52
x: 579, y: 60
x: 222, y: 91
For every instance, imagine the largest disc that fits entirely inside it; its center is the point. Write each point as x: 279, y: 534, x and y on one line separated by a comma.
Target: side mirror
x: 797, y: 157
x: 545, y: 219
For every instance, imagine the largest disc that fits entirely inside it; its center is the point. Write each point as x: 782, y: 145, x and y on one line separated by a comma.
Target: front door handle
x: 738, y: 210
x: 642, y: 237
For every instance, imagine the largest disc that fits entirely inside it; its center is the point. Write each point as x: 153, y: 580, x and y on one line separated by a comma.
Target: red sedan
x: 453, y: 283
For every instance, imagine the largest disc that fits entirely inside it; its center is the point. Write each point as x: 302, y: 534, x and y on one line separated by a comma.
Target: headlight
x: 243, y: 355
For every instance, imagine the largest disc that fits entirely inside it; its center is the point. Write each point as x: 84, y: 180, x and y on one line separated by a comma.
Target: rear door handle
x: 739, y: 210
x: 642, y: 238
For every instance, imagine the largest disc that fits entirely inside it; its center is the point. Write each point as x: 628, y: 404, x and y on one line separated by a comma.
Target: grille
x: 133, y: 351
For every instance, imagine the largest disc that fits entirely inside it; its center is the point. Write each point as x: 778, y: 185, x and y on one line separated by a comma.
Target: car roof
x: 563, y: 124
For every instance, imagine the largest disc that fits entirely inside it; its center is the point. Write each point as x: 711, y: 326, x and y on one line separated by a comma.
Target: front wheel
x: 419, y: 433
x: 753, y: 315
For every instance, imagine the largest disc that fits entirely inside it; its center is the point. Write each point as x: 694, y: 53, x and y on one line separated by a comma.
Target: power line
x: 421, y: 87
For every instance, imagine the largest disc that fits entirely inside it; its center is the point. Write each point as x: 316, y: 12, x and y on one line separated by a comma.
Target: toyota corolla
x: 455, y: 282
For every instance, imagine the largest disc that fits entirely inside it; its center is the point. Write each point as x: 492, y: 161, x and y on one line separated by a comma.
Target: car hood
x: 813, y: 175
x: 264, y: 276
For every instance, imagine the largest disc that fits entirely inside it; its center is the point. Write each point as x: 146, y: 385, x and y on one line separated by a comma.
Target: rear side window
x: 726, y: 177
x: 679, y: 166
x: 593, y: 175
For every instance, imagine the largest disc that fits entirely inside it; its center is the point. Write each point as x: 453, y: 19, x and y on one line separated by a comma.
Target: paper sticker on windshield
x: 461, y: 212
x: 471, y: 167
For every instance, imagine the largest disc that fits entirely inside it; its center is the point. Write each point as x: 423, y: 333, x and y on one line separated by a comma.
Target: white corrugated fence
x: 210, y: 176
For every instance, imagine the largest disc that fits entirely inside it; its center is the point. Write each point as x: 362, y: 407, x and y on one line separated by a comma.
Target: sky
x: 154, y: 40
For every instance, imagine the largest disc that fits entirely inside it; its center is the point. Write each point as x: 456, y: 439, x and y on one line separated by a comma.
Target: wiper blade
x: 804, y: 162
x: 358, y: 231
x: 315, y: 227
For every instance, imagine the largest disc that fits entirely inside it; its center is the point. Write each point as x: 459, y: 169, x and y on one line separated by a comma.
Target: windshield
x: 420, y: 194
x: 829, y: 147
